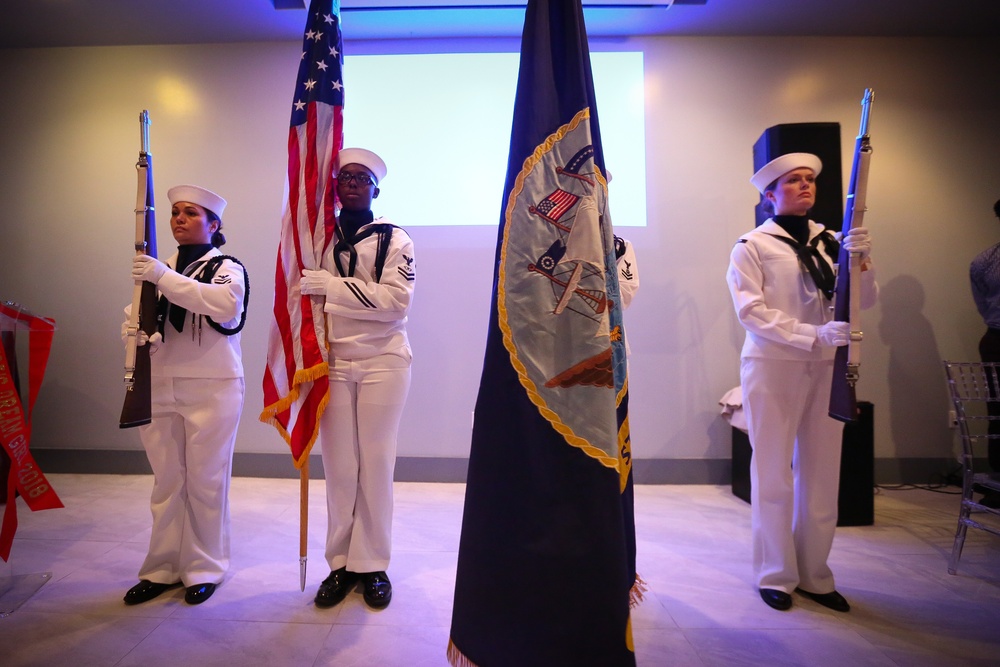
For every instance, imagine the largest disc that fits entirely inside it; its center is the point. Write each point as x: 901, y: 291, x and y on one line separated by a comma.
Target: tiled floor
x: 701, y: 607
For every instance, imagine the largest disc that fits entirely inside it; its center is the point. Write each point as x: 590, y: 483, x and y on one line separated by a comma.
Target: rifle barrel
x: 137, y: 409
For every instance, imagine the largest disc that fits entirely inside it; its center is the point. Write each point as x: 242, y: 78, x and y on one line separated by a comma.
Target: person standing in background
x: 984, y: 275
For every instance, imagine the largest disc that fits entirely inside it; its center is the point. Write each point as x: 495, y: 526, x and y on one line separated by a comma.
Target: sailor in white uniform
x: 781, y: 278
x: 366, y: 281
x: 628, y: 270
x: 197, y: 398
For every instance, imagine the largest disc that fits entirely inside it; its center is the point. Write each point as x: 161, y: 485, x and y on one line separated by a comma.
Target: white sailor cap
x: 365, y: 158
x: 774, y: 169
x: 197, y: 195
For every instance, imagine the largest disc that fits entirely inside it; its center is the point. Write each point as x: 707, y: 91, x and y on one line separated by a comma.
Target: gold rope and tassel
x: 635, y: 593
x: 456, y: 657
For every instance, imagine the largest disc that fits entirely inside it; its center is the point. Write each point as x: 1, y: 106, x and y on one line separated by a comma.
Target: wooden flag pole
x: 303, y: 521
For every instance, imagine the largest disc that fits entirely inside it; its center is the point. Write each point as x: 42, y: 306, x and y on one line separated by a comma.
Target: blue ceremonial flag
x: 546, y: 562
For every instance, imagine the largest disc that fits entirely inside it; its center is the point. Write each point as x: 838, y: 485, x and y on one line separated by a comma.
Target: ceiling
x: 49, y: 23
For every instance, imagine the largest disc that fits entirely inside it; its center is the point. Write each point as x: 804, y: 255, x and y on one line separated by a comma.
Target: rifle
x: 843, y: 399
x: 137, y: 409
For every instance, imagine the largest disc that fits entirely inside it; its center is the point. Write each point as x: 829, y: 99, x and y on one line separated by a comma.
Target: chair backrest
x: 971, y: 386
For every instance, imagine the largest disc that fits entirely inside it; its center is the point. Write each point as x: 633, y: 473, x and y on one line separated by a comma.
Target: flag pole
x: 296, y: 394
x: 303, y: 521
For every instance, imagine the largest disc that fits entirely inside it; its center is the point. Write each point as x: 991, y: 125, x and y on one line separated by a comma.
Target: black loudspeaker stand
x: 856, y: 503
x: 820, y: 139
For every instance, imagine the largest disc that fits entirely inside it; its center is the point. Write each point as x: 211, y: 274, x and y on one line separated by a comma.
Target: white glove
x: 148, y: 268
x: 142, y: 338
x: 833, y: 334
x: 153, y: 341
x: 315, y: 282
x: 858, y: 240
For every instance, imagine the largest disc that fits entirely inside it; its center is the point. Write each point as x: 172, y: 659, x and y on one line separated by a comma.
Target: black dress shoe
x: 335, y: 587
x: 776, y: 599
x: 990, y: 499
x: 144, y: 591
x: 198, y: 593
x: 378, y: 590
x: 833, y: 600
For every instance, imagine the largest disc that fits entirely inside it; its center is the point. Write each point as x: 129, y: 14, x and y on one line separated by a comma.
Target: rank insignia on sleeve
x: 407, y: 271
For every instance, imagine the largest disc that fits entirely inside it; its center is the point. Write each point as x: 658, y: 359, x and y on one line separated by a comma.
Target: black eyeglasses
x: 363, y: 179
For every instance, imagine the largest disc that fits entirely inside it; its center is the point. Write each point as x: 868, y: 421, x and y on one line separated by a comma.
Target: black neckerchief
x: 186, y: 254
x: 352, y: 221
x: 348, y: 224
x: 797, y: 226
x: 807, y: 252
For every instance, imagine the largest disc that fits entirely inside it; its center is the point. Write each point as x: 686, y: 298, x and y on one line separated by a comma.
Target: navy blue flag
x: 546, y: 563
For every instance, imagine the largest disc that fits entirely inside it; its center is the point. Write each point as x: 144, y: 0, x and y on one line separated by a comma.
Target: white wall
x: 69, y: 139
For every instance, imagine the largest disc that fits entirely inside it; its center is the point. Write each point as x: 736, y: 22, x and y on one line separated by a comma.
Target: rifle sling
x: 206, y: 270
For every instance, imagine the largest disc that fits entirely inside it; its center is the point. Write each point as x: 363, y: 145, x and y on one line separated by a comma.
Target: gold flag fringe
x: 635, y: 594
x: 270, y: 412
x: 457, y: 658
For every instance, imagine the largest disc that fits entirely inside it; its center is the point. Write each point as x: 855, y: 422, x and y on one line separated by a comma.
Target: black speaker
x: 742, y: 451
x: 820, y: 139
x: 856, y: 503
x: 856, y: 500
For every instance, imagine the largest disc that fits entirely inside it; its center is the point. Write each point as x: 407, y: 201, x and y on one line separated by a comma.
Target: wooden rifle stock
x: 847, y: 307
x: 137, y: 409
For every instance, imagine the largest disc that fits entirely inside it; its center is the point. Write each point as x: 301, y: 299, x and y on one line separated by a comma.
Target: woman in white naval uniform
x: 197, y: 399
x: 786, y: 371
x: 367, y: 283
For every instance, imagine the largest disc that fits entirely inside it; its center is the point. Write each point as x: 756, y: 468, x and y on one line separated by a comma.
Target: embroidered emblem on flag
x: 575, y: 163
x: 550, y: 259
x: 556, y: 205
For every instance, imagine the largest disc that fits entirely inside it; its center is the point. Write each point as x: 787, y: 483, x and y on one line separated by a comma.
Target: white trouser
x: 794, y: 471
x: 189, y: 444
x: 358, y: 438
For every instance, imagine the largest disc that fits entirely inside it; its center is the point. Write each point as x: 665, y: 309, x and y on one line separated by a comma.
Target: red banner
x: 15, y: 431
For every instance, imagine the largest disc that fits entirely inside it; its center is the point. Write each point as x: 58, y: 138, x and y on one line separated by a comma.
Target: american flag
x: 296, y: 384
x: 556, y: 204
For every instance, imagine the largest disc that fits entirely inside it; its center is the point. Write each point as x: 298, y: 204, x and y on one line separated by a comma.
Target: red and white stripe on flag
x: 296, y: 380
